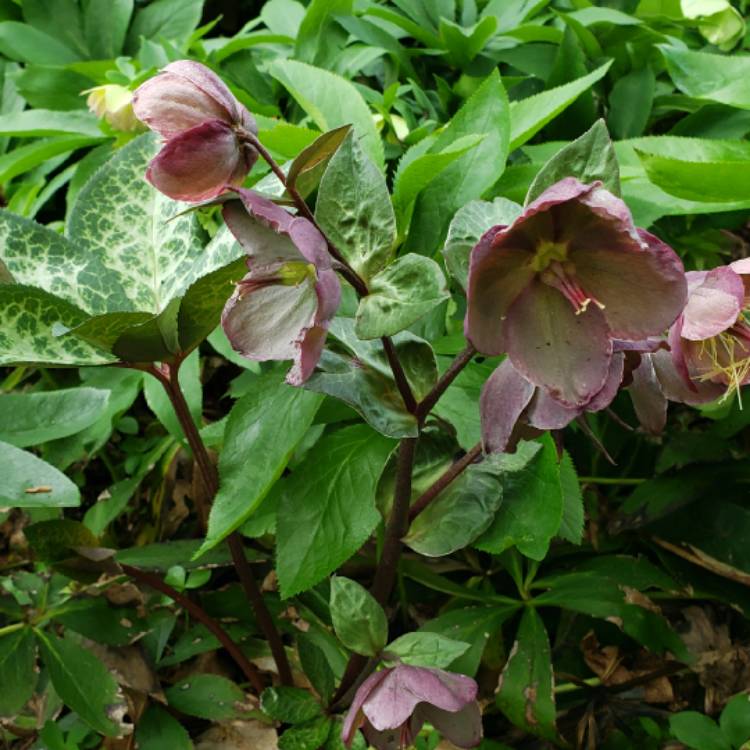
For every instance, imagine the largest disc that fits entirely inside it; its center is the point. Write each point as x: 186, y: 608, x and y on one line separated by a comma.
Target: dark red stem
x: 168, y: 376
x: 198, y: 613
x: 443, y: 481
x: 426, y: 405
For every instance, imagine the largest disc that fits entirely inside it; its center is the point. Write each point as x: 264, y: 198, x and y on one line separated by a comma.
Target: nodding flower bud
x: 203, y: 124
x: 391, y: 706
x: 114, y: 103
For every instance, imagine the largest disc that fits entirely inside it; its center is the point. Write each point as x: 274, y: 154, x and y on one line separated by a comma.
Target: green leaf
x: 135, y: 253
x: 468, y: 225
x: 207, y: 696
x: 289, y: 705
x: 314, y: 37
x: 531, y: 512
x: 157, y: 729
x: 464, y: 44
x: 263, y: 430
x: 17, y: 674
x: 25, y: 158
x: 34, y: 418
x: 354, y: 209
x: 310, y: 164
x: 314, y: 663
x: 714, y: 171
x: 705, y: 75
x: 473, y: 625
x: 416, y: 170
x: 162, y: 556
x: 57, y: 539
x: 82, y: 682
x: 58, y: 18
x: 424, y: 649
x: 105, y: 27
x: 571, y: 526
x: 359, y: 621
x: 697, y: 731
x: 39, y: 122
x: 485, y: 113
x: 29, y: 482
x: 327, y: 508
x: 630, y: 103
x: 525, y: 692
x: 529, y: 116
x: 24, y: 43
x: 308, y: 736
x: 357, y: 372
x: 735, y: 720
x: 330, y: 101
x: 461, y: 512
x: 400, y: 295
x: 174, y: 20
x: 588, y: 158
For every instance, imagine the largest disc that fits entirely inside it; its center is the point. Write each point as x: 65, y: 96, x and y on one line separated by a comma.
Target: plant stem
x: 203, y: 617
x: 426, y: 405
x: 399, y: 375
x: 443, y: 481
x: 385, y: 575
x: 168, y: 376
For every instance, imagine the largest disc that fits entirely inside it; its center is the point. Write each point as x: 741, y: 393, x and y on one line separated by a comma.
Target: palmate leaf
x: 130, y: 279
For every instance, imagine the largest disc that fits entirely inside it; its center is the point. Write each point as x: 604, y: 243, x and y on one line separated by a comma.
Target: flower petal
x: 497, y: 275
x: 647, y: 396
x: 504, y: 397
x: 611, y: 385
x: 354, y: 716
x: 266, y: 323
x: 463, y: 728
x: 642, y: 288
x: 308, y: 353
x: 556, y: 349
x: 674, y: 386
x: 200, y: 163
x: 392, y: 702
x: 713, y: 303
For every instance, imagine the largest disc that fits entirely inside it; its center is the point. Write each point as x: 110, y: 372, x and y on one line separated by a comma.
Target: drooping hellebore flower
x: 392, y: 705
x: 710, y: 341
x: 282, y: 308
x: 565, y: 278
x: 201, y: 121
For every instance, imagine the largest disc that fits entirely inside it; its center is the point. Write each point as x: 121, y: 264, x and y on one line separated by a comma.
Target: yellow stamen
x: 726, y: 365
x: 548, y: 252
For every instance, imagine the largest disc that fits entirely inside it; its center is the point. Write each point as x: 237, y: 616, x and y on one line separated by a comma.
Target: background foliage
x: 613, y: 599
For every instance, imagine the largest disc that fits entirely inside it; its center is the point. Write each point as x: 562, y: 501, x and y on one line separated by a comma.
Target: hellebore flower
x: 565, y: 278
x: 392, y: 705
x: 201, y: 122
x: 710, y: 341
x: 511, y: 407
x: 114, y: 103
x: 282, y: 308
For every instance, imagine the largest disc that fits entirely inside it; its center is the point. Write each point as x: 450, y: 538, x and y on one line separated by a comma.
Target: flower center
x: 561, y: 276
x: 728, y: 357
x: 291, y: 273
x: 549, y: 252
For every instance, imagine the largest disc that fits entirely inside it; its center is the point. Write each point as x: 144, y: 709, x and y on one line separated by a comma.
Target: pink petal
x: 309, y: 349
x: 649, y: 401
x: 565, y: 190
x: 679, y: 361
x: 504, y: 397
x: 545, y: 413
x: 392, y: 702
x: 463, y: 728
x: 328, y: 289
x: 265, y: 323
x: 498, y: 273
x: 200, y: 163
x: 611, y: 385
x: 354, y: 716
x: 642, y: 288
x: 556, y: 349
x: 674, y: 386
x: 713, y: 304
x: 265, y: 211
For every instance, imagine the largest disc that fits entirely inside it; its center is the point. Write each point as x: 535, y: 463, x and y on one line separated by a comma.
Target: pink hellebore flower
x: 511, y: 407
x: 392, y: 705
x: 564, y: 279
x: 710, y: 341
x: 282, y: 308
x: 201, y: 122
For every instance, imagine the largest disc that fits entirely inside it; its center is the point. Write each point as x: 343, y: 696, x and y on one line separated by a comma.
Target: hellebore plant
x: 569, y: 275
x: 710, y: 341
x: 203, y: 126
x: 392, y: 705
x: 282, y: 308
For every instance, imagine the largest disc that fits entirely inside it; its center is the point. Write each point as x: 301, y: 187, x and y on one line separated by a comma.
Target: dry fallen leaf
x: 238, y: 735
